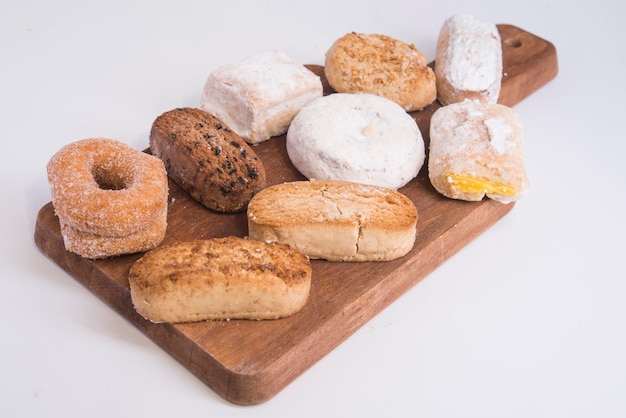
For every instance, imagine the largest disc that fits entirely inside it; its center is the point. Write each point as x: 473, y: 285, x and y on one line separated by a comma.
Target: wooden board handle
x: 531, y: 62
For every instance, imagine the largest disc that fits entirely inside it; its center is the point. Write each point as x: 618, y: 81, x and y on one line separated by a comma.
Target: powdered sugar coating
x: 258, y: 96
x: 500, y: 133
x: 360, y: 138
x: 469, y: 60
x: 477, y: 141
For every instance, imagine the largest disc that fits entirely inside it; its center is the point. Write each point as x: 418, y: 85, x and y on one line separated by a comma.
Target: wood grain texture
x: 248, y: 362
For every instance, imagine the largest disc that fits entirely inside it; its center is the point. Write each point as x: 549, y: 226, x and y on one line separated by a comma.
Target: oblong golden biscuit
x: 220, y: 278
x: 335, y: 220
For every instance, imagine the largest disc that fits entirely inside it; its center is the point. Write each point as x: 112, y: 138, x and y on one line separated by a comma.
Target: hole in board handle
x: 513, y: 42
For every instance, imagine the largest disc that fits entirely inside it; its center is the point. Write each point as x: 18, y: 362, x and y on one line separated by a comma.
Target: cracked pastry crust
x: 220, y: 278
x: 335, y: 220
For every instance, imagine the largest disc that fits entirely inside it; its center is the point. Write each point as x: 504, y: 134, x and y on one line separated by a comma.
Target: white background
x: 529, y: 320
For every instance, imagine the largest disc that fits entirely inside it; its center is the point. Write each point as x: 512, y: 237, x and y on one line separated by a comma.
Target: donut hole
x: 110, y: 178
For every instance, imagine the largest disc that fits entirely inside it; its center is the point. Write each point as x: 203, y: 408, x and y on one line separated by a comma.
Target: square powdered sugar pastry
x: 259, y: 96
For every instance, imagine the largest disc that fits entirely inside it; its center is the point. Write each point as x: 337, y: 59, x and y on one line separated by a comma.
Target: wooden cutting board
x: 248, y: 362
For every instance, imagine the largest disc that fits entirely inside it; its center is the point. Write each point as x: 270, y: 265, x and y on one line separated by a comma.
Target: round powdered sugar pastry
x: 361, y: 138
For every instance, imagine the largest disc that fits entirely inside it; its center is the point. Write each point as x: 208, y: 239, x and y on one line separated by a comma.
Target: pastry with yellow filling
x: 476, y: 150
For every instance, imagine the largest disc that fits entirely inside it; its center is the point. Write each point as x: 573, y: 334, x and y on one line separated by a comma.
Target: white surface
x: 529, y: 320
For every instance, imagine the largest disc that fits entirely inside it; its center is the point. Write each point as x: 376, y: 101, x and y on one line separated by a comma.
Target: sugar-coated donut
x: 96, y: 246
x: 110, y: 198
x: 105, y: 187
x: 361, y: 138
